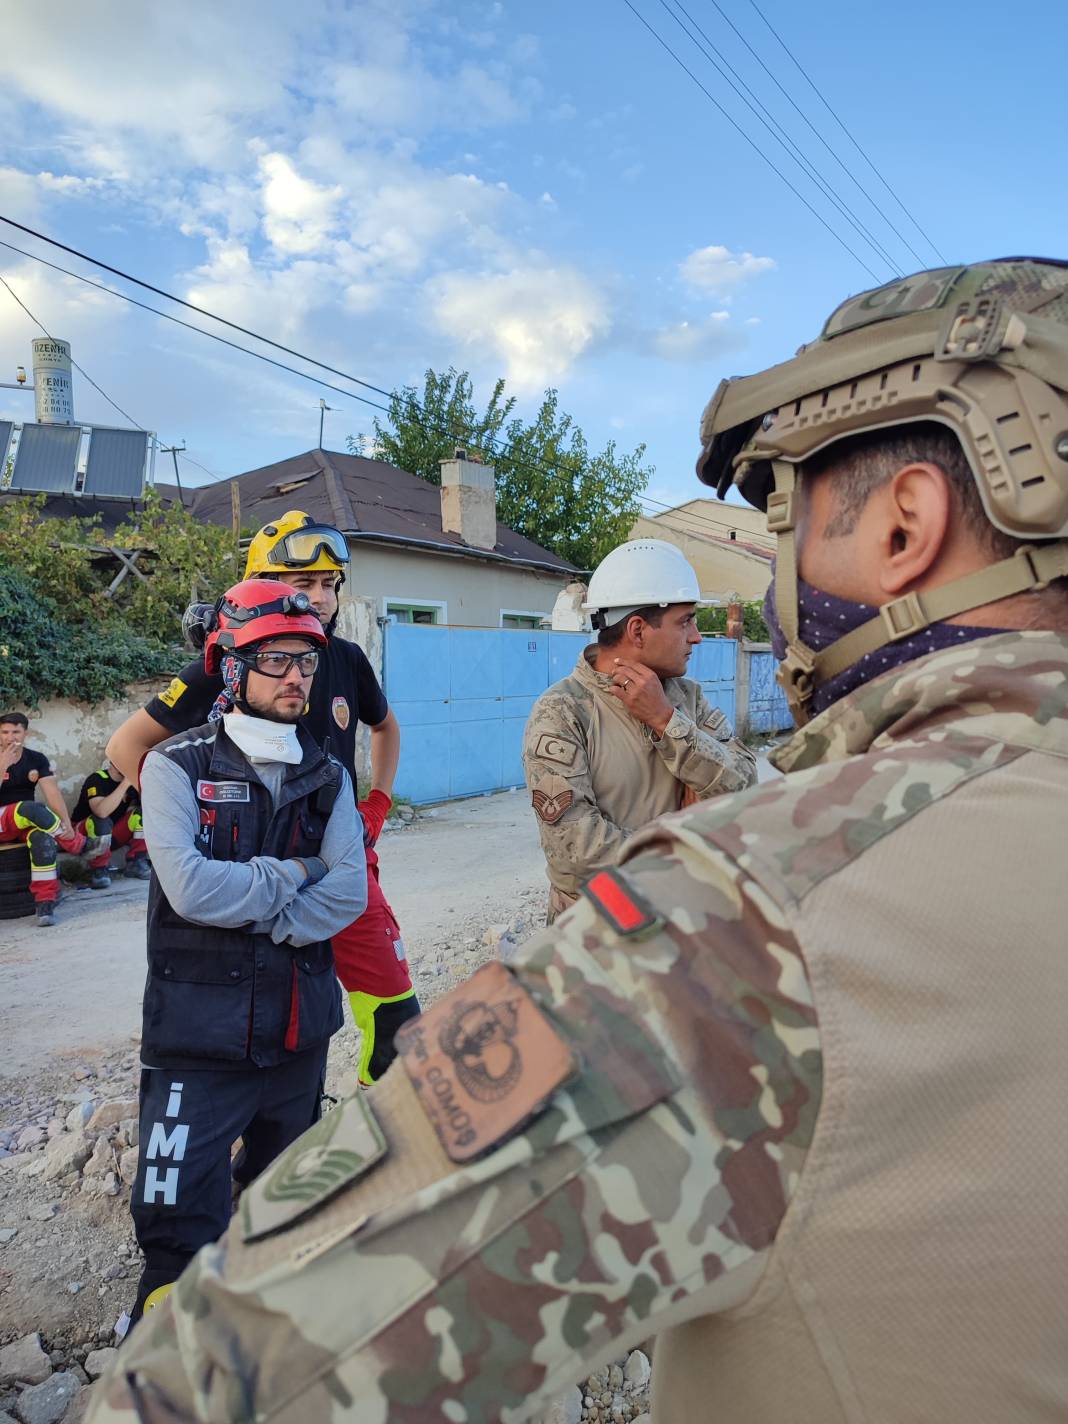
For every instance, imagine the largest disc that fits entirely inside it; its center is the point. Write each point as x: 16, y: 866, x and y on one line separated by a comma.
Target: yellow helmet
x: 296, y: 542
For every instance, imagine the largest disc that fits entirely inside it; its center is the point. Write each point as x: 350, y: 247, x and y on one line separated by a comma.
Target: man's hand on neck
x: 641, y: 692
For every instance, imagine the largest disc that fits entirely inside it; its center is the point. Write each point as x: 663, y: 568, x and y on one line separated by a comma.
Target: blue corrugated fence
x: 463, y: 696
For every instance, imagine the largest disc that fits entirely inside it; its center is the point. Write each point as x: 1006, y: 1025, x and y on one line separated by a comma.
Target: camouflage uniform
x: 597, y: 775
x: 755, y: 1057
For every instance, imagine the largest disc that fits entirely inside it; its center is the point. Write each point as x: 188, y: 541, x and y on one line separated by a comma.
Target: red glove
x: 374, y: 812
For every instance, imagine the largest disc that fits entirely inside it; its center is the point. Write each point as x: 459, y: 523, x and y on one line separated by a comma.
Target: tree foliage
x: 754, y: 629
x: 550, y: 486
x: 45, y: 654
x: 58, y: 573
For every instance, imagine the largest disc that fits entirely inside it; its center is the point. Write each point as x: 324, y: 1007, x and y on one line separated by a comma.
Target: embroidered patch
x: 171, y: 693
x: 559, y: 749
x: 552, y: 798
x: 34, y: 775
x: 484, y: 1060
x: 716, y: 722
x: 340, y: 709
x: 626, y: 911
x: 222, y: 791
x: 339, y: 1149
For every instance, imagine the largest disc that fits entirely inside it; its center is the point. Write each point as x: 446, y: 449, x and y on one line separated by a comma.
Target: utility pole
x: 174, y: 451
x: 323, y: 408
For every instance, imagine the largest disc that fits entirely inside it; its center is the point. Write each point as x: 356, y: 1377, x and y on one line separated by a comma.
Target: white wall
x: 73, y: 736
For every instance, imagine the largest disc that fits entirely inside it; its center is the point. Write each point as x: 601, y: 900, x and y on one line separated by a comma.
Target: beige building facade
x: 727, y: 544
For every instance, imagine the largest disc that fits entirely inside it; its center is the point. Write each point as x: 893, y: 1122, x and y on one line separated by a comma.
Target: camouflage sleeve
x: 577, y: 838
x: 646, y: 1192
x: 703, y: 753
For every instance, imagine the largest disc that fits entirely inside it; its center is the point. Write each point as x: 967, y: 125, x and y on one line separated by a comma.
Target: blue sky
x: 530, y: 188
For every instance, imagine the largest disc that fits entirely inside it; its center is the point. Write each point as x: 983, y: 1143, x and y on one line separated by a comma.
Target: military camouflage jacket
x: 388, y: 1268
x: 597, y: 775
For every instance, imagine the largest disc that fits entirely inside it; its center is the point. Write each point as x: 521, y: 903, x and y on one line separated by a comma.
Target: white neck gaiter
x: 262, y: 740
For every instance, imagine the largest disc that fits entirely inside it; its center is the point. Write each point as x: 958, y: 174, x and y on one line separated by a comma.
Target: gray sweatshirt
x: 264, y: 892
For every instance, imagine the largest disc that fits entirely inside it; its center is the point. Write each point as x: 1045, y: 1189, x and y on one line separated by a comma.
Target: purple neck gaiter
x: 823, y: 619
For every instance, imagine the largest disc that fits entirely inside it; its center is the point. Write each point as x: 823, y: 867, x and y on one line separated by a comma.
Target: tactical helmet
x: 296, y: 542
x: 981, y: 349
x: 640, y: 574
x: 254, y: 611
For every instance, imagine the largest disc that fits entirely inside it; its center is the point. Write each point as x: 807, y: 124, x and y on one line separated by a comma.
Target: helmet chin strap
x: 1031, y: 568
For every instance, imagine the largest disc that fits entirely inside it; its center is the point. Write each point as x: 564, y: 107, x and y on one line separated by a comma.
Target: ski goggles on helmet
x: 307, y: 546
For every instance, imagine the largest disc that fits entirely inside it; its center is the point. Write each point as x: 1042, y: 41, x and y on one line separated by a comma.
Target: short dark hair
x: 612, y: 636
x: 14, y: 719
x: 866, y: 462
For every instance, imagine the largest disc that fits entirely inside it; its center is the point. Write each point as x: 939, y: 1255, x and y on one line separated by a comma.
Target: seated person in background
x: 110, y: 804
x: 43, y: 828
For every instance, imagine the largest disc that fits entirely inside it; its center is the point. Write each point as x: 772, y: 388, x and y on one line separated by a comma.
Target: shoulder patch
x: 561, y: 750
x: 483, y: 1061
x: 613, y: 897
x: 342, y: 1146
x: 552, y: 798
x: 171, y: 693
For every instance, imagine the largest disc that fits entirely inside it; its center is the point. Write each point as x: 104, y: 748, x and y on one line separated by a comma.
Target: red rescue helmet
x: 253, y: 612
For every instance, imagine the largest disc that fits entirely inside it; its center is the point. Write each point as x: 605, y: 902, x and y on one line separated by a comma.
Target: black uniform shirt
x: 21, y: 780
x: 102, y: 783
x: 345, y: 691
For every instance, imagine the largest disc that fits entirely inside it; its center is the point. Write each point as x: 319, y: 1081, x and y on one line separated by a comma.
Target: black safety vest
x: 226, y: 997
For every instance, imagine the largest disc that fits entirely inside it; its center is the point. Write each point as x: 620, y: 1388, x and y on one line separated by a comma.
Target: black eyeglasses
x: 277, y: 664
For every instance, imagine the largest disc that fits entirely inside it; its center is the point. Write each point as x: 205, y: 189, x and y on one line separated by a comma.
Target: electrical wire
x: 750, y: 141
x: 412, y: 404
x: 805, y: 118
x: 726, y: 70
x: 80, y: 369
x: 192, y: 306
x: 819, y: 95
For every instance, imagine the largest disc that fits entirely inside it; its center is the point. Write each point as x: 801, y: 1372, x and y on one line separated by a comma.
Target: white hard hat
x: 640, y: 574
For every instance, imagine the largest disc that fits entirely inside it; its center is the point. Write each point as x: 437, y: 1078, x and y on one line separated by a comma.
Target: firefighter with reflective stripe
x: 45, y: 829
x: 626, y: 737
x: 314, y: 558
x: 257, y: 861
x: 109, y: 804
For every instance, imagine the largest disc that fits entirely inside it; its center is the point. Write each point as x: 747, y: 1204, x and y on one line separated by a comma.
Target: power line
x: 37, y: 322
x: 801, y: 113
x: 192, y: 306
x: 750, y: 141
x: 189, y: 326
x: 414, y: 408
x: 756, y: 106
x: 819, y: 95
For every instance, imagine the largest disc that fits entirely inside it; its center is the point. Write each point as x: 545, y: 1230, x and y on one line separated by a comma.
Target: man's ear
x: 916, y: 509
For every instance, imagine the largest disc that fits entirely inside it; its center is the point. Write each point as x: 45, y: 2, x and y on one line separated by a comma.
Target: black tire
x: 14, y: 868
x: 16, y: 906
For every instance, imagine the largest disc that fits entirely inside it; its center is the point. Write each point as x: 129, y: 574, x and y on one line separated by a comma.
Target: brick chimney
x: 469, y: 500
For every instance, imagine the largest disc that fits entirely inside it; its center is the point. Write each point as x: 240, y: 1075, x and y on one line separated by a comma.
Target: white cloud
x: 537, y: 321
x: 718, y: 269
x: 697, y: 340
x: 297, y: 214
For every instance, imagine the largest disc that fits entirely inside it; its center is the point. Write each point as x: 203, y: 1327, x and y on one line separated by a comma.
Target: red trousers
x: 36, y: 824
x: 126, y: 831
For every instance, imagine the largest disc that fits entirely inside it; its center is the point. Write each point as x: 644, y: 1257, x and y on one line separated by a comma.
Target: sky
x: 532, y: 189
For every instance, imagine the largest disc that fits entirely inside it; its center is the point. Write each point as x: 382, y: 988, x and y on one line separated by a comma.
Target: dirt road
x: 73, y: 993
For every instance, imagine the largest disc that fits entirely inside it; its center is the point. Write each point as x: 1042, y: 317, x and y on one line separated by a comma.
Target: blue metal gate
x: 768, y: 709
x: 463, y: 696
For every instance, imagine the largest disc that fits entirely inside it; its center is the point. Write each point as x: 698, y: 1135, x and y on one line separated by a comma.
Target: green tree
x: 187, y: 562
x: 754, y: 629
x: 550, y: 486
x: 46, y: 654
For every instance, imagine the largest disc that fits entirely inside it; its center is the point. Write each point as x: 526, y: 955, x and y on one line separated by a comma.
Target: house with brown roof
x: 420, y: 553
